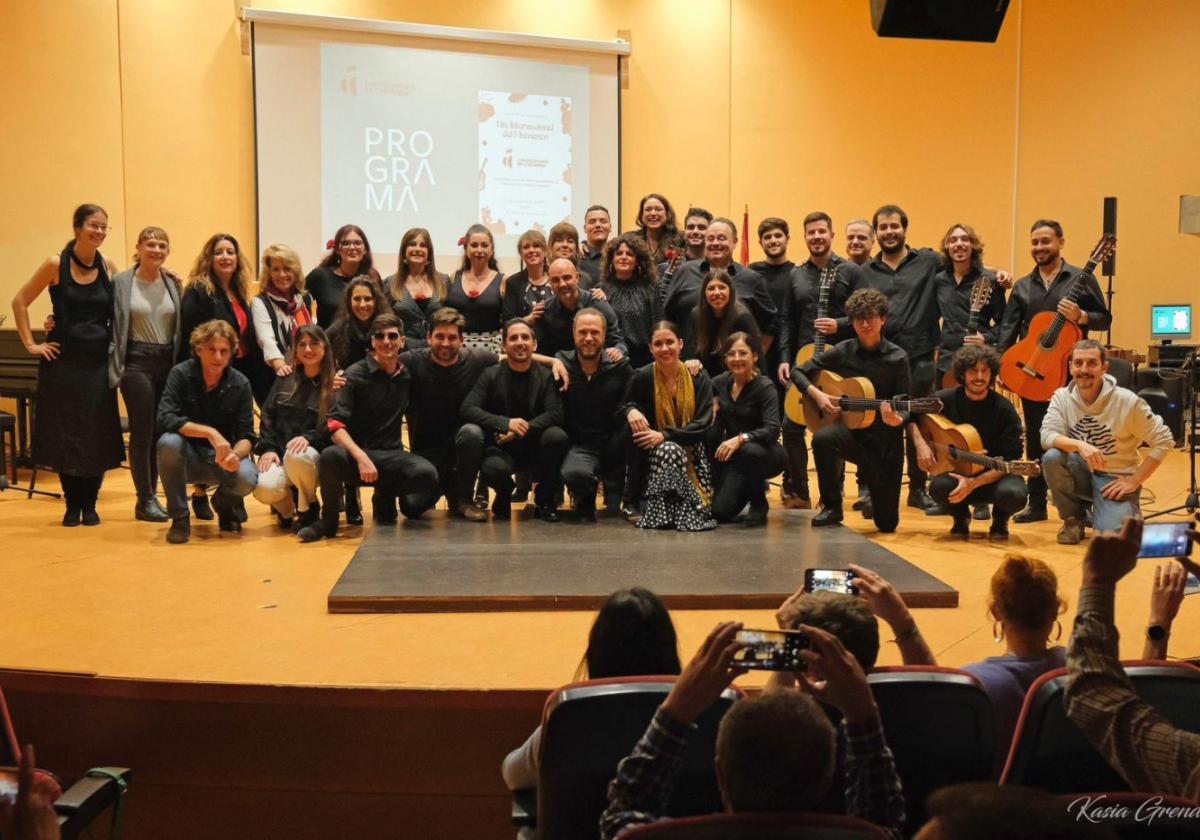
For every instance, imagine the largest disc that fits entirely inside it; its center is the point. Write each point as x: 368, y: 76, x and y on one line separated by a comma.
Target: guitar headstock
x: 1104, y: 248
x: 981, y: 293
x: 828, y: 275
x: 1029, y: 469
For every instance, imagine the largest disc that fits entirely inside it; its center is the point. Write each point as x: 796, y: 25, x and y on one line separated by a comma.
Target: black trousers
x: 142, y: 383
x: 924, y: 372
x: 542, y: 452
x: 584, y: 466
x: 880, y: 461
x: 795, y: 444
x: 1035, y: 413
x: 1007, y: 496
x: 409, y: 477
x: 741, y: 480
x: 457, y: 460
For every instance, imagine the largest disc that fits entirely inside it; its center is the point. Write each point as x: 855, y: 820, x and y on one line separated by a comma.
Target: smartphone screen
x: 8, y: 786
x: 830, y: 580
x: 771, y: 650
x: 1168, y: 539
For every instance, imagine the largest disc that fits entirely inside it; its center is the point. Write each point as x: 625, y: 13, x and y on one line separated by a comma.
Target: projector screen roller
x: 393, y: 132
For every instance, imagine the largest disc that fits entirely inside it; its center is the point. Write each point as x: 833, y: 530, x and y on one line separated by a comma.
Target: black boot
x: 961, y: 529
x: 201, y: 506
x: 149, y: 510
x: 71, y: 496
x: 89, y: 492
x: 828, y: 516
x: 353, y: 507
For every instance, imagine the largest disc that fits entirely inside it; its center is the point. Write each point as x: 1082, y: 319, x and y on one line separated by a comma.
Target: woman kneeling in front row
x: 291, y: 431
x: 744, y: 436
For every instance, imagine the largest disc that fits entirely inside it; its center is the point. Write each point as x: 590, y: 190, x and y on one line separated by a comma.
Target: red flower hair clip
x: 462, y: 240
x: 329, y: 245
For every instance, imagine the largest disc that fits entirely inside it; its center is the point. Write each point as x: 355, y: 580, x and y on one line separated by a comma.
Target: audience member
x: 775, y: 752
x: 981, y: 811
x: 632, y: 636
x: 1166, y: 596
x: 1148, y: 751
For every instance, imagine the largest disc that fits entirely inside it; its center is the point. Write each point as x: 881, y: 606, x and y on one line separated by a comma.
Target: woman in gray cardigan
x: 146, y: 340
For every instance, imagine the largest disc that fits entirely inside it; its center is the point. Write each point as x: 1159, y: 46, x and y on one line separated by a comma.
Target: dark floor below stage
x: 439, y: 564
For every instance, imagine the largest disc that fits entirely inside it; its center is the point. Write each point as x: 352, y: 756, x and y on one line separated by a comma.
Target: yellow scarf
x: 674, y: 411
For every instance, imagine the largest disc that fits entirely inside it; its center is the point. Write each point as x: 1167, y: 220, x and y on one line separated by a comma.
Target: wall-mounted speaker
x: 945, y: 20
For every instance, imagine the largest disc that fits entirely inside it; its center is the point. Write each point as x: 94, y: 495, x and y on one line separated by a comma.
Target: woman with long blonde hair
x: 281, y: 308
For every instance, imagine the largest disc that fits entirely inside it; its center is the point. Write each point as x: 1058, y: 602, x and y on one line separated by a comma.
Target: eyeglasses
x: 308, y: 345
x: 98, y: 228
x: 351, y: 246
x: 391, y: 335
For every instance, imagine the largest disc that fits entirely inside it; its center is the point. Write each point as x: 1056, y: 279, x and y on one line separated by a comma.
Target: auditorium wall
x: 784, y: 105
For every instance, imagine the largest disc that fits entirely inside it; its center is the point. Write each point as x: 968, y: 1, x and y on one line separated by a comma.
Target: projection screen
x: 391, y: 131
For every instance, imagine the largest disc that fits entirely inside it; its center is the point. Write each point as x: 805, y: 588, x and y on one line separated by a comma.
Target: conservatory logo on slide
x: 349, y: 83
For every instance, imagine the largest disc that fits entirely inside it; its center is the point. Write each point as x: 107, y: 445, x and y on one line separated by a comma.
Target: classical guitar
x: 1036, y: 366
x: 856, y: 396
x: 959, y: 449
x: 793, y: 400
x: 981, y: 293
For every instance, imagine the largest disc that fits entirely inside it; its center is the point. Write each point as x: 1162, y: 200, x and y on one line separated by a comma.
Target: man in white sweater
x: 1091, y: 435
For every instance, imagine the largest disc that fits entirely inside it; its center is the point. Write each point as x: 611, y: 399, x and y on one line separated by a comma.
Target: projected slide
x: 440, y: 139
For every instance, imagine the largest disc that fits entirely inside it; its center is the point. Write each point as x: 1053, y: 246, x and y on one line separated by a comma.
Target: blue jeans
x: 1073, y: 486
x: 180, y: 462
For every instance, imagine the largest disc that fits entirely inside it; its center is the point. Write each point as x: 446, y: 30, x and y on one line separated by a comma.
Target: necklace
x: 95, y: 261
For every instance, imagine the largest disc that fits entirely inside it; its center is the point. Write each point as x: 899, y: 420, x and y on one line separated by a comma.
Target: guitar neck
x: 822, y: 311
x: 911, y: 406
x: 974, y: 458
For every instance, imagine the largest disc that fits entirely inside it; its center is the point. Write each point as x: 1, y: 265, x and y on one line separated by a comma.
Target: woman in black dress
x: 744, y: 436
x: 628, y: 278
x: 349, y: 256
x: 417, y: 289
x: 76, y: 429
x: 477, y: 290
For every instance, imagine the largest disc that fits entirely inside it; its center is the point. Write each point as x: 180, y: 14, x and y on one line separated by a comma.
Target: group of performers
x: 650, y: 367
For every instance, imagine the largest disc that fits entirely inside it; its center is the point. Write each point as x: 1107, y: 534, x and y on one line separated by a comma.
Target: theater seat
x: 1138, y: 816
x: 588, y: 727
x: 939, y: 726
x: 1050, y: 752
x: 801, y: 826
x: 87, y: 799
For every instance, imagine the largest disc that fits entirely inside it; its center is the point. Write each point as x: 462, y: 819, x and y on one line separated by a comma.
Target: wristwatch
x: 744, y: 438
x: 1157, y: 633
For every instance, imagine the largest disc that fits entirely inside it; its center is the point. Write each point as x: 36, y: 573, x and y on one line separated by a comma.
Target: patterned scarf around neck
x: 676, y: 410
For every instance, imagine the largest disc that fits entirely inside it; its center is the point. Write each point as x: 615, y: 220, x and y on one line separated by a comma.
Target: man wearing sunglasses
x: 365, y: 427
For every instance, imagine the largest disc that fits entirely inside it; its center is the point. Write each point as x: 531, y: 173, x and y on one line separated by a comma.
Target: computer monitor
x: 1171, y: 320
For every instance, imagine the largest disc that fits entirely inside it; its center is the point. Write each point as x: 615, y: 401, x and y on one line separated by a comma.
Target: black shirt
x: 327, y: 288
x: 592, y: 404
x: 502, y: 393
x: 912, y: 319
x: 713, y: 360
x: 291, y: 411
x: 437, y: 393
x: 228, y: 408
x: 799, y: 308
x: 371, y: 404
x: 754, y: 413
x: 993, y: 417
x: 589, y: 268
x: 1029, y: 297
x: 886, y: 366
x: 555, y: 330
x: 954, y: 301
x: 684, y: 293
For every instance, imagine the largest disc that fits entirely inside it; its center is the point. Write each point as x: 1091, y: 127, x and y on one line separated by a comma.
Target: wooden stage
x: 248, y: 710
